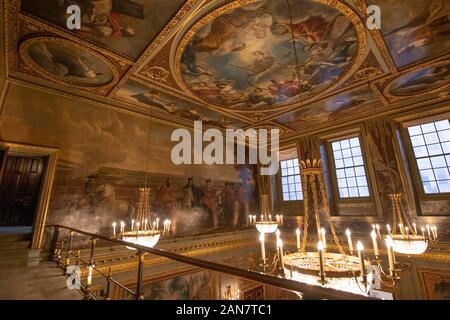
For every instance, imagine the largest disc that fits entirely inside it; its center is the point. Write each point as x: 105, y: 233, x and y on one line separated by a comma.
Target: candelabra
x: 144, y: 231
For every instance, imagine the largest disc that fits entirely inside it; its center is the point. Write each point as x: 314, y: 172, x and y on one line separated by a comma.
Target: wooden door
x: 19, y: 190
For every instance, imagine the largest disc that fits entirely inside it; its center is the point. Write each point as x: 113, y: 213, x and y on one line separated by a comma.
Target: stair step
x: 10, y: 237
x: 12, y: 245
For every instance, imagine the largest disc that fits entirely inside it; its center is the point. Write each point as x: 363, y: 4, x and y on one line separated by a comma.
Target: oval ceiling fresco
x: 243, y: 57
x: 67, y: 62
x: 423, y: 80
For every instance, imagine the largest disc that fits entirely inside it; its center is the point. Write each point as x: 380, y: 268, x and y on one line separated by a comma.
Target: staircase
x: 20, y: 281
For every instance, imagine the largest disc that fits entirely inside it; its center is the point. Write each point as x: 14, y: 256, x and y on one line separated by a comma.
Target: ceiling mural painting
x: 136, y: 92
x: 67, y: 62
x: 415, y: 30
x: 343, y: 105
x: 123, y: 26
x: 423, y: 80
x: 231, y: 63
x: 243, y: 59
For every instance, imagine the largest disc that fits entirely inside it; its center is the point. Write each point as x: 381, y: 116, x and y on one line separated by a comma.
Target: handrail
x: 309, y: 292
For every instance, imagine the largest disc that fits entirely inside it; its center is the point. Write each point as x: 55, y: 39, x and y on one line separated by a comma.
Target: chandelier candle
x: 349, y: 239
x: 277, y: 233
x: 114, y: 229
x: 321, y: 262
x: 132, y: 225
x: 297, y: 232
x: 428, y: 230
x: 324, y: 239
x: 415, y: 228
x: 388, y: 227
x: 389, y: 244
x: 263, y: 247
x: 375, y: 244
x: 281, y: 220
x: 378, y: 231
x: 360, y: 248
x: 280, y: 250
x: 145, y: 224
x: 157, y: 223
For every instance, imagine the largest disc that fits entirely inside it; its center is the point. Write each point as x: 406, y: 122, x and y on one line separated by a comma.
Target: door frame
x: 42, y: 204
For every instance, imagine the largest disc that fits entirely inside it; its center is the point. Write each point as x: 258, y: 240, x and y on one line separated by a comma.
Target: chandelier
x: 339, y: 271
x: 266, y: 224
x: 407, y: 239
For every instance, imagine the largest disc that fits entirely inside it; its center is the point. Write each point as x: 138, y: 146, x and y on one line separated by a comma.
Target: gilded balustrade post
x: 54, y: 247
x: 139, y: 295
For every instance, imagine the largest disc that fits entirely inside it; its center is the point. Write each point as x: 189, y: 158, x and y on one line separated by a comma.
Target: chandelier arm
x: 306, y: 212
x: 403, y: 214
x: 328, y: 215
x: 312, y: 180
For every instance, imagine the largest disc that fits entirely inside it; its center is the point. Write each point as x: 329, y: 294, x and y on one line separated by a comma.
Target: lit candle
x: 122, y: 227
x: 138, y: 224
x: 360, y: 248
x: 321, y: 262
x: 145, y: 224
x: 388, y: 227
x: 270, y: 217
x: 373, y: 227
x: 423, y: 231
x: 249, y: 220
x: 389, y: 244
x: 297, y: 232
x: 154, y: 225
x: 375, y: 244
x: 254, y: 219
x: 262, y: 218
x: 114, y: 229
x: 378, y: 231
x: 89, y: 277
x: 282, y: 219
x: 324, y: 239
x: 157, y: 223
x: 277, y: 233
x: 280, y: 248
x: 278, y: 218
x: 349, y: 239
x: 434, y: 230
x: 132, y: 225
x: 263, y: 247
x: 428, y: 230
x: 407, y: 232
x: 415, y: 228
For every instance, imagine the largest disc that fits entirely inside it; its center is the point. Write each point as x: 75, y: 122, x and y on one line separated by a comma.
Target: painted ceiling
x: 293, y: 64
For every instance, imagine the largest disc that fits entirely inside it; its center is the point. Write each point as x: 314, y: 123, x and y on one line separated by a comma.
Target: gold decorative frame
x: 24, y: 54
x: 387, y: 89
x: 45, y: 188
x: 429, y: 278
x: 335, y: 4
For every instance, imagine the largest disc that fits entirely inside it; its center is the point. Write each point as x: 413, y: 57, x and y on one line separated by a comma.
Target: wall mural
x: 415, y: 29
x: 102, y: 162
x: 337, y: 107
x: 123, y: 26
x: 421, y: 81
x: 244, y: 57
x: 67, y: 61
x: 134, y: 91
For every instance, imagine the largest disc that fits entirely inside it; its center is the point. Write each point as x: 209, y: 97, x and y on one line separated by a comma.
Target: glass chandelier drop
x: 332, y: 270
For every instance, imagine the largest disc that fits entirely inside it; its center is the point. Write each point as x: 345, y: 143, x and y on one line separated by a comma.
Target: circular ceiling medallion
x: 241, y: 55
x: 67, y: 62
x: 423, y: 80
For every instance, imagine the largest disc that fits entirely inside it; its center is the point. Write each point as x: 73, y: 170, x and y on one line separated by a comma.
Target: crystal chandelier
x: 266, y: 224
x: 143, y: 231
x: 332, y: 270
x: 407, y: 239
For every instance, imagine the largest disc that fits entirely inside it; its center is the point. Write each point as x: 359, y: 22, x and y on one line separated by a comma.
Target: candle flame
x: 320, y: 246
x: 348, y: 232
x: 359, y: 246
x: 297, y: 231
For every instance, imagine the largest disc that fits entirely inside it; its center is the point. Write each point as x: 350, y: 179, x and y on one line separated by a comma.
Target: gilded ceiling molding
x: 181, y: 14
x: 336, y: 4
x: 155, y: 72
x: 378, y: 93
x: 389, y: 86
x: 361, y: 5
x: 39, y: 71
x: 389, y: 110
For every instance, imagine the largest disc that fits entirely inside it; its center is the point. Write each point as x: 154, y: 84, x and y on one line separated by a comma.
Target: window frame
x: 280, y: 177
x: 332, y: 166
x: 412, y: 160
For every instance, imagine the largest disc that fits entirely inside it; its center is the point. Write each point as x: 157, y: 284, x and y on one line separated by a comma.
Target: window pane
x: 349, y: 164
x: 431, y: 144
